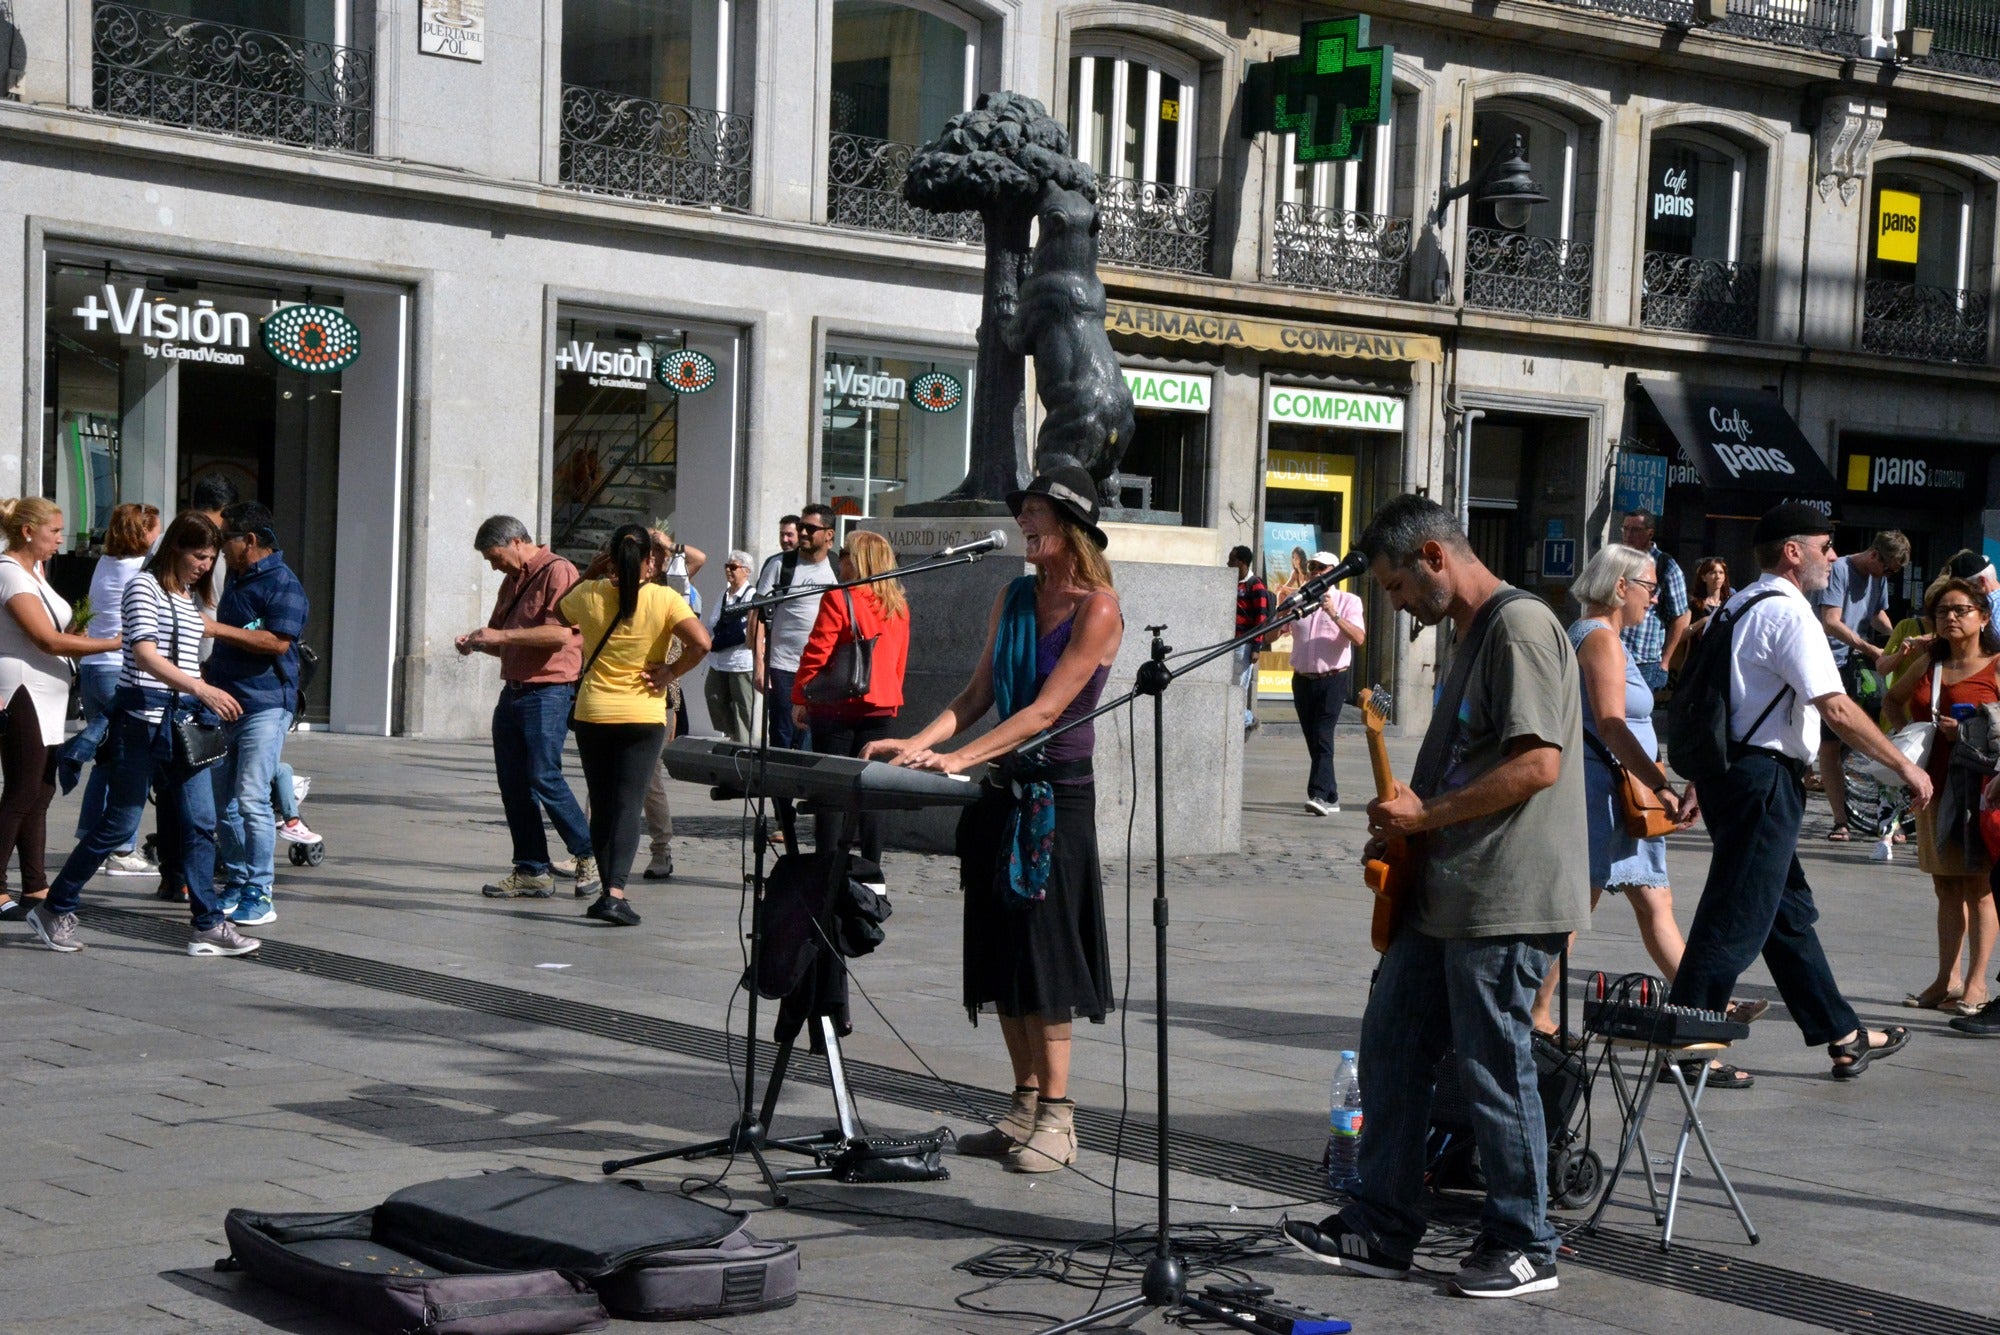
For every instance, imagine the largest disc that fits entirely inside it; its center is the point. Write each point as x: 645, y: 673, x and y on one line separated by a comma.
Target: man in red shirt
x: 1323, y: 645
x: 540, y: 658
x: 1253, y: 608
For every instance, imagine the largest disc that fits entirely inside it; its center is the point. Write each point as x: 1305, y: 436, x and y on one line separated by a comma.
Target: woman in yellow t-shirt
x: 628, y: 623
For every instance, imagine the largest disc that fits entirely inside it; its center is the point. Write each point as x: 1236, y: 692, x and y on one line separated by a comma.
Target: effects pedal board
x: 1252, y: 1307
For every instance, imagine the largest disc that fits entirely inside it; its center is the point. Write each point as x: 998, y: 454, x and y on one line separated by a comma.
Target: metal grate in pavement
x: 1808, y: 1299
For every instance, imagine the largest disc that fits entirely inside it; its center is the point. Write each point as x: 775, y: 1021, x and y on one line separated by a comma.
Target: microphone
x: 996, y: 541
x: 1317, y: 587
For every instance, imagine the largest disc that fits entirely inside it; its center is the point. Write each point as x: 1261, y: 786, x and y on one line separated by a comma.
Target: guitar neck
x: 1378, y: 761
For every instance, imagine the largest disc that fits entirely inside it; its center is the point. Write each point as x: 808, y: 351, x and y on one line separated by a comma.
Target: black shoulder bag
x: 200, y: 738
x: 589, y: 663
x: 849, y: 672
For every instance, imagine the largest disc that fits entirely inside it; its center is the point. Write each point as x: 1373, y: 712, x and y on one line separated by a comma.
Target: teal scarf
x: 1031, y: 826
x: 1014, y: 649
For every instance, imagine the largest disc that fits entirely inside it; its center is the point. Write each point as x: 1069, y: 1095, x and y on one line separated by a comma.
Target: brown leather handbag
x: 1644, y: 814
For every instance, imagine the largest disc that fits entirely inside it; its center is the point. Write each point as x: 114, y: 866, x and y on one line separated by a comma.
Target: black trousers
x: 618, y: 761
x: 1757, y: 901
x: 1317, y: 701
x: 846, y: 737
x: 29, y: 767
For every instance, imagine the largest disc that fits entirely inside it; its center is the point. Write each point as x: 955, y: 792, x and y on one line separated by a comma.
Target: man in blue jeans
x: 258, y: 623
x: 1504, y: 877
x: 540, y: 658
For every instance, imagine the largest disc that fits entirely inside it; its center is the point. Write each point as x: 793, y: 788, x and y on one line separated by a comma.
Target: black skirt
x: 1050, y: 959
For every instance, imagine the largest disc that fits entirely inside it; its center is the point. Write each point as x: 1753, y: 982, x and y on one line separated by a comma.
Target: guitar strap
x: 1434, y: 757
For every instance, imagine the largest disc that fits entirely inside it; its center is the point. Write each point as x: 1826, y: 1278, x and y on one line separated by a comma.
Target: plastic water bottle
x: 1343, y: 1124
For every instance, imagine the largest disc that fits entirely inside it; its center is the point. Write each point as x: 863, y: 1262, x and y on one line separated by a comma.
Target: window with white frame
x: 900, y: 70
x: 1132, y: 112
x: 1552, y: 149
x: 1940, y: 223
x: 673, y: 51
x: 1694, y: 203
x: 1361, y: 184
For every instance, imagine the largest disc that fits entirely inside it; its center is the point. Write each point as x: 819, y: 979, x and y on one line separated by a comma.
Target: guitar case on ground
x: 519, y: 1253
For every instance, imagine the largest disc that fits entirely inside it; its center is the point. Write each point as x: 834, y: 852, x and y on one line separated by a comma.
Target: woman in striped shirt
x: 160, y: 670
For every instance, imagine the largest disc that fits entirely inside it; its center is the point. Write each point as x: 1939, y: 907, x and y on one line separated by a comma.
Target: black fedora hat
x: 1072, y: 492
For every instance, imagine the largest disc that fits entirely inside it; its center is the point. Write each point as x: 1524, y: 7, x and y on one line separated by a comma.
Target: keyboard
x: 835, y: 781
x: 1664, y: 1026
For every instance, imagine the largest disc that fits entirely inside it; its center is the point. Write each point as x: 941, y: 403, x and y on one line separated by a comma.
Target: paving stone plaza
x: 397, y: 1028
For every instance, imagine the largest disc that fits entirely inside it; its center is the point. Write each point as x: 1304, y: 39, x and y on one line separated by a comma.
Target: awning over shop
x: 1137, y: 320
x: 1745, y: 449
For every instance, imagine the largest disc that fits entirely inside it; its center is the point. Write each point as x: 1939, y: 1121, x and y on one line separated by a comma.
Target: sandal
x: 1838, y: 835
x: 1923, y: 1001
x: 1857, y: 1051
x: 1720, y: 1076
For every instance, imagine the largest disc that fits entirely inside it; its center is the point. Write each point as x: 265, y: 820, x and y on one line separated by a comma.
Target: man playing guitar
x: 1504, y: 877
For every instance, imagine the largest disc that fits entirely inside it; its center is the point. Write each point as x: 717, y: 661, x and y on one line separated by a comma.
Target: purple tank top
x: 1078, y: 743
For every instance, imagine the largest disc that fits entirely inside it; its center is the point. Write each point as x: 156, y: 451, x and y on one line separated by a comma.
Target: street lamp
x: 1506, y: 182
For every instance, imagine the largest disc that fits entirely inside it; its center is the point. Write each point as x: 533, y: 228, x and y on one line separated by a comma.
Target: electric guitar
x: 1392, y: 875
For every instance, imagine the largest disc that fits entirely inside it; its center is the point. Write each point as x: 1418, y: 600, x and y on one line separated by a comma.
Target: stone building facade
x: 586, y: 260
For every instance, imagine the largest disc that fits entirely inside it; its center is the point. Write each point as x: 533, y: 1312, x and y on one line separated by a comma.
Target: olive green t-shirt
x: 1524, y: 870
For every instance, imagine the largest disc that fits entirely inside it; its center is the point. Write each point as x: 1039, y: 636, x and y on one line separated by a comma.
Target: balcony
x: 223, y: 79
x: 641, y: 149
x: 1938, y: 324
x: 1151, y: 226
x: 1366, y: 254
x: 1822, y: 25
x: 1531, y: 275
x: 864, y: 188
x: 1699, y: 296
x: 1965, y: 35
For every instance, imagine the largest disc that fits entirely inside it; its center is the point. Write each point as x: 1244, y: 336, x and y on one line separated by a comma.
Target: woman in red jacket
x: 840, y: 725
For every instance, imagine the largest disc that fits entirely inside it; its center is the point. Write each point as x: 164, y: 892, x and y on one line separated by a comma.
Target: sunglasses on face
x: 807, y: 530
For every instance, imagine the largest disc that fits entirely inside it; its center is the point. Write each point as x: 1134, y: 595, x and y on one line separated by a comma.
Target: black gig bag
x: 555, y: 1255
x: 335, y: 1262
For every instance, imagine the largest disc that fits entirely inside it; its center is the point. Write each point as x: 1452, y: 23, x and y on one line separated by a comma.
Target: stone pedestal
x: 1204, y: 710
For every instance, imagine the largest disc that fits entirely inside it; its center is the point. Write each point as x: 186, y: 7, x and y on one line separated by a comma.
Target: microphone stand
x: 749, y: 1135
x: 1165, y: 1282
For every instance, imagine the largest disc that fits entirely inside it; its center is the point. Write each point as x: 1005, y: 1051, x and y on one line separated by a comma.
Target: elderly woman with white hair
x: 1616, y: 589
x: 731, y: 701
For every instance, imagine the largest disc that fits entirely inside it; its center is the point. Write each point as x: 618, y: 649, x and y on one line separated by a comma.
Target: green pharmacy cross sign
x: 1335, y: 86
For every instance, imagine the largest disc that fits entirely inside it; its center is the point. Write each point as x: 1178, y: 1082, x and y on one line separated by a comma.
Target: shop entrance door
x: 274, y: 434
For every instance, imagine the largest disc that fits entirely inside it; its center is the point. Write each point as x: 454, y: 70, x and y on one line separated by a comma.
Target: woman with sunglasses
x: 1959, y: 667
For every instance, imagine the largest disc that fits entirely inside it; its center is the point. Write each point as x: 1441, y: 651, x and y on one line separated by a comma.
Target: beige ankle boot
x: 1052, y: 1144
x: 1008, y: 1132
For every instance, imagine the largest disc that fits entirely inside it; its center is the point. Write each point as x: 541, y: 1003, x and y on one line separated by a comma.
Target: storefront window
x: 617, y: 427
x: 1920, y: 230
x: 156, y: 377
x: 1694, y: 199
x: 1316, y: 442
x: 899, y: 70
x: 893, y: 430
x: 1166, y: 465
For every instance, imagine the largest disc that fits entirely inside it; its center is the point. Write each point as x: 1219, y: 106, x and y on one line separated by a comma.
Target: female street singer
x: 1035, y: 944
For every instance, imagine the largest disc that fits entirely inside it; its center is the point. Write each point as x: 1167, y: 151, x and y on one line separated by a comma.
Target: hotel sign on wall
x: 455, y: 29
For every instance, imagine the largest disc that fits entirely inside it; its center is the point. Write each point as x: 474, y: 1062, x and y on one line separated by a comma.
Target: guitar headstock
x: 1377, y: 708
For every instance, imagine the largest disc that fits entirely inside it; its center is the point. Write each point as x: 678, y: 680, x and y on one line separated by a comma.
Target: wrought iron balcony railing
x: 1152, y: 226
x: 864, y: 188
x: 174, y: 70
x: 1511, y: 271
x: 1939, y: 324
x: 641, y: 149
x: 1699, y: 296
x: 1363, y: 253
x: 1965, y: 35
x: 1826, y: 25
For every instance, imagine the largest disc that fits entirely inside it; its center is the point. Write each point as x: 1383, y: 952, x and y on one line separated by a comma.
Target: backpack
x: 1698, y: 737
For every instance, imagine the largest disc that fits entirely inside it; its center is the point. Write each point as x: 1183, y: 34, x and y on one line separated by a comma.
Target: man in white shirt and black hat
x: 1782, y: 684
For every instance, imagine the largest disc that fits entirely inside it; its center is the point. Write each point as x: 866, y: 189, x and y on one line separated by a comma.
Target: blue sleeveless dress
x: 1617, y: 860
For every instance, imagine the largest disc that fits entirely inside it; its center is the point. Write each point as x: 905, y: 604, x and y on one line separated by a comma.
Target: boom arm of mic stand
x: 764, y: 602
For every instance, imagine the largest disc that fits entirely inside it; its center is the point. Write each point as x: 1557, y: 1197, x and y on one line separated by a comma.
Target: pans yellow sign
x: 1896, y: 218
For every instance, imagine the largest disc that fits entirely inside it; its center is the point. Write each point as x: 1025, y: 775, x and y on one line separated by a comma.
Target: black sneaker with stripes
x: 1502, y: 1272
x: 1332, y: 1242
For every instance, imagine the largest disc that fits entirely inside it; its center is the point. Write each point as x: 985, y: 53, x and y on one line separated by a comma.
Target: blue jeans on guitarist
x: 1473, y: 996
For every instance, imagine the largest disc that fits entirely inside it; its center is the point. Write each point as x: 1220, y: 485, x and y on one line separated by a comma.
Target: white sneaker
x: 294, y: 831
x: 129, y: 864
x: 221, y: 939
x: 661, y: 868
x: 1319, y: 808
x: 1883, y: 851
x: 57, y: 931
